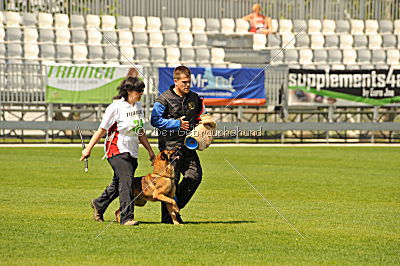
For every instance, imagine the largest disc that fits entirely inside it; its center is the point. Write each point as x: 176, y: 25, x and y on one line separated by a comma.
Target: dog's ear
x: 163, y: 157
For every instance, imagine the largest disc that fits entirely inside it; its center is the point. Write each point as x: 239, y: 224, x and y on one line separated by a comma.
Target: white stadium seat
x: 63, y: 36
x: 13, y: 19
x: 45, y: 20
x: 138, y: 24
x: 234, y: 65
x: 349, y: 56
x: 94, y: 36
x: 108, y: 22
x: 172, y: 55
x: 396, y: 26
x: 275, y: 25
x: 184, y: 24
x: 393, y: 56
x: 375, y: 41
x: 153, y: 24
x: 127, y: 54
x: 305, y: 56
x: 77, y: 22
x: 346, y: 41
x: 357, y: 26
x: 217, y: 55
x: 168, y: 24
x: 92, y: 21
x: 80, y: 52
x: 317, y: 41
x: 213, y: 25
x: 2, y: 34
x: 123, y: 23
x: 314, y: 26
x: 61, y: 21
x: 371, y: 26
x: 259, y: 41
x: 288, y: 40
x: 242, y: 26
x: 185, y: 39
x: 198, y: 25
x: 156, y: 39
x: 2, y: 20
x: 125, y: 37
x: 29, y: 20
x: 285, y: 25
x: 328, y: 26
x: 31, y: 35
x: 227, y: 25
x: 299, y: 25
x: 31, y: 51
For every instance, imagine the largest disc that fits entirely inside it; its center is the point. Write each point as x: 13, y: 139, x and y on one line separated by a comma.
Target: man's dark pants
x: 189, y: 166
x: 124, y: 166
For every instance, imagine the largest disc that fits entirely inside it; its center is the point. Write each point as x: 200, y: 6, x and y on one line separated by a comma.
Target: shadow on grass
x: 208, y: 222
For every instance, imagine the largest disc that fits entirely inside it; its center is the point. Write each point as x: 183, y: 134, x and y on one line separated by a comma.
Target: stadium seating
x: 154, y: 41
x: 168, y: 24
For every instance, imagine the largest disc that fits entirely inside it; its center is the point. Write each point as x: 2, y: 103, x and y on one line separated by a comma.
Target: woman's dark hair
x: 129, y: 84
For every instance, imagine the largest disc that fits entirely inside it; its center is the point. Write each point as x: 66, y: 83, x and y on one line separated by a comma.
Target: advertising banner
x: 222, y: 86
x: 373, y: 87
x: 68, y: 83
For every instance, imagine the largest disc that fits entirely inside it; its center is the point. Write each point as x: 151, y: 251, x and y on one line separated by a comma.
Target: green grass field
x: 345, y: 200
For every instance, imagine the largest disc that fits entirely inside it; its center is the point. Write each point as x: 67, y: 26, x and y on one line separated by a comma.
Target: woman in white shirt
x: 123, y: 122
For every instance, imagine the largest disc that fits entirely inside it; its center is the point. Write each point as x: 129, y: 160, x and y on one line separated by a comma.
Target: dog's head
x: 166, y: 161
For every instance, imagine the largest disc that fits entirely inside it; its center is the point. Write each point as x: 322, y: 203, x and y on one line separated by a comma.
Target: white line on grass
x: 265, y: 199
x: 220, y: 145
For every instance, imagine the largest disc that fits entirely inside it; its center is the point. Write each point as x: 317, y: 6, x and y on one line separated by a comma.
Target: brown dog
x: 159, y: 185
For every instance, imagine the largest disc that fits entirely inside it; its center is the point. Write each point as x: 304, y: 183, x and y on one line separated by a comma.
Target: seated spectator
x: 259, y: 23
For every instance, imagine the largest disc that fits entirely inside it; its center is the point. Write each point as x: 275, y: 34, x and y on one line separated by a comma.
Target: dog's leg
x: 171, y: 205
x: 118, y: 215
x: 166, y: 199
x: 172, y: 213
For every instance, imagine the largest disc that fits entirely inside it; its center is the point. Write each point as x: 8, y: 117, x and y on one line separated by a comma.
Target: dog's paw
x: 175, y: 209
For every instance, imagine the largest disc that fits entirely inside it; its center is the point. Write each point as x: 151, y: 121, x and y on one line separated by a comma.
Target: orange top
x: 257, y: 21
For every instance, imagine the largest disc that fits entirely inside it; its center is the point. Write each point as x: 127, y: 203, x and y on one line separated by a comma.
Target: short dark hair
x: 181, y: 70
x: 129, y: 84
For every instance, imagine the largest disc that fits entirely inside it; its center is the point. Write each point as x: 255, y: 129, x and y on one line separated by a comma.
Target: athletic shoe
x: 131, y: 222
x: 97, y: 215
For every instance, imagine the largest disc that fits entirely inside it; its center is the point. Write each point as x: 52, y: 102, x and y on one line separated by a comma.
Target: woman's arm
x: 93, y: 141
x: 268, y: 24
x: 247, y: 18
x: 145, y: 142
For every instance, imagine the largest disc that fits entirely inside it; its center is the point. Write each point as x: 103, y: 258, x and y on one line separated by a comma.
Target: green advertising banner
x: 68, y: 83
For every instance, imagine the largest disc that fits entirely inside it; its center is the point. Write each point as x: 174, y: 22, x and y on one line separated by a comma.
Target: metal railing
x: 290, y: 9
x: 25, y: 84
x: 22, y: 83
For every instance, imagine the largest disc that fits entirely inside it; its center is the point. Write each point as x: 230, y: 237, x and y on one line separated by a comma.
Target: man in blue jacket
x: 175, y: 113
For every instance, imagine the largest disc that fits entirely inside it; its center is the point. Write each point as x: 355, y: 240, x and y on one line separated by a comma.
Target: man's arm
x: 158, y: 121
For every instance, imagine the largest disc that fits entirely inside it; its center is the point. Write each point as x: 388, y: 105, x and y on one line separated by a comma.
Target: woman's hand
x: 152, y: 157
x: 85, y: 154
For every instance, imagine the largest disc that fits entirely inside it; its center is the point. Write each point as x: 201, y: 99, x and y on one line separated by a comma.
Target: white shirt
x: 122, y: 122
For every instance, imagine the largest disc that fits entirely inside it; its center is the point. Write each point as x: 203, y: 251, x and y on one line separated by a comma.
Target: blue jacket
x: 167, y: 110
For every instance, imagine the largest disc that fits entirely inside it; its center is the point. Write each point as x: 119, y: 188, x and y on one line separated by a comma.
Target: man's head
x: 182, y: 80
